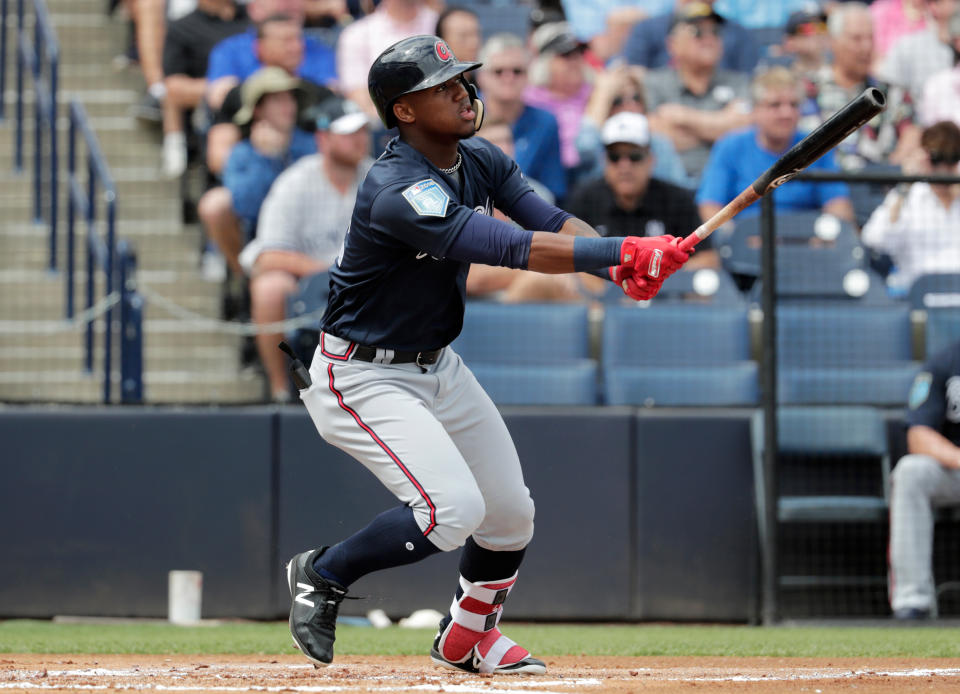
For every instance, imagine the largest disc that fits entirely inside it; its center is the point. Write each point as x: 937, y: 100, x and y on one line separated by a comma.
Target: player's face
x: 628, y: 168
x: 444, y: 109
x: 777, y: 113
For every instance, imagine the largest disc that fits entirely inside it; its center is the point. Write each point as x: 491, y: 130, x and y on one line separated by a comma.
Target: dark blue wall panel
x: 96, y: 506
x: 696, y: 539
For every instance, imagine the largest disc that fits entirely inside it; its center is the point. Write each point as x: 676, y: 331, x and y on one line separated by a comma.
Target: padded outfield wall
x: 641, y: 514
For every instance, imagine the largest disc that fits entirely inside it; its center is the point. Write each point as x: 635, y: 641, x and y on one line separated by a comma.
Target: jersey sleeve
x: 422, y: 214
x: 927, y: 402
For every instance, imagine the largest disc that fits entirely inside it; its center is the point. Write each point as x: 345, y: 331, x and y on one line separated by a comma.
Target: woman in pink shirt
x: 892, y: 19
x: 561, y: 83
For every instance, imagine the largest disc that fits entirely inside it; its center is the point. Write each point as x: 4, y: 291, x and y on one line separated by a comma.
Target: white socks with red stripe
x: 472, y: 631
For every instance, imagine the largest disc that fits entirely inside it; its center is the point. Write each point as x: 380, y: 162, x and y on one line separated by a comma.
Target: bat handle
x: 698, y: 235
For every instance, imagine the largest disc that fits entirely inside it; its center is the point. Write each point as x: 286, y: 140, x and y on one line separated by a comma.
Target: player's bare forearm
x: 577, y: 227
x: 551, y: 253
x: 922, y: 440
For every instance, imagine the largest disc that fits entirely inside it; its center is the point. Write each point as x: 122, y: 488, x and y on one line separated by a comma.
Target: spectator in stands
x: 536, y: 135
x: 941, y: 91
x: 460, y: 28
x: 272, y: 142
x: 363, y: 40
x: 695, y: 102
x: 605, y: 24
x: 917, y: 224
x: 739, y: 157
x: 647, y: 44
x: 924, y: 479
x: 280, y: 43
x: 616, y: 90
x: 150, y: 23
x: 893, y: 19
x: 804, y: 47
x: 627, y: 199
x: 185, y: 52
x: 303, y: 221
x: 916, y: 56
x: 891, y: 136
x: 278, y: 30
x: 560, y: 82
x: 763, y: 14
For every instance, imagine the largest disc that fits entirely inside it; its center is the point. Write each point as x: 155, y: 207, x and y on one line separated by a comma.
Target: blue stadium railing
x: 41, y: 54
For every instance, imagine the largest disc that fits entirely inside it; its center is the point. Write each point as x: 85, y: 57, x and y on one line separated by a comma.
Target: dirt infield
x: 594, y: 675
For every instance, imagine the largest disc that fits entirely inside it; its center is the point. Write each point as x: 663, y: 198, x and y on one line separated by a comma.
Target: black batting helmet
x: 415, y: 63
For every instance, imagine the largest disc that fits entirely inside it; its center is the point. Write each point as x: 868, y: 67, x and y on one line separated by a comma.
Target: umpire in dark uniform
x: 927, y: 477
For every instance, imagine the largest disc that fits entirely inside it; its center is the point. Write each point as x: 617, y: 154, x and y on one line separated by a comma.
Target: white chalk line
x: 387, y: 683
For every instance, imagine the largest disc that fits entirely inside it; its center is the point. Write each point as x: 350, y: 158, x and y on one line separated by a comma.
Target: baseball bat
x: 828, y: 135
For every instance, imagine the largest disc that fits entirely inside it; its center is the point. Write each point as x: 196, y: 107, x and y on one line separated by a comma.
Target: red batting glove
x: 640, y: 289
x: 654, y: 257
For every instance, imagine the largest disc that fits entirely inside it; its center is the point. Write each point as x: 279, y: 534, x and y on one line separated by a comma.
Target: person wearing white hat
x: 627, y: 198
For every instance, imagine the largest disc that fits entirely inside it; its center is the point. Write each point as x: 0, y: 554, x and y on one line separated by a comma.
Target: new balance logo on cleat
x: 313, y: 608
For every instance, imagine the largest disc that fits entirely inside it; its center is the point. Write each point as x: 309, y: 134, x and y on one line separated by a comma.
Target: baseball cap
x: 802, y: 21
x: 695, y: 11
x: 628, y: 127
x: 338, y: 115
x: 267, y: 80
x: 555, y: 38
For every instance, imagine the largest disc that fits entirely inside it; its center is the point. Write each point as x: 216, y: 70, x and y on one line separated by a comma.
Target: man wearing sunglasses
x: 627, y: 199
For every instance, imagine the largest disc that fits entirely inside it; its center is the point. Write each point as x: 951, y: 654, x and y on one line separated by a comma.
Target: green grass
x: 29, y: 636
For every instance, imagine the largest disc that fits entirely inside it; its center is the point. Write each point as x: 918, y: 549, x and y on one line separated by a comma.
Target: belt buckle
x: 420, y: 363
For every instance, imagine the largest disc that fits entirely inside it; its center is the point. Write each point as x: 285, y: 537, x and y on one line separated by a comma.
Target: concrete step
x: 161, y: 387
x: 156, y: 358
x: 158, y: 333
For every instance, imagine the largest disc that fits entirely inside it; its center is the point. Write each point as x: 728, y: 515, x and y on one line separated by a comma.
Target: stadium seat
x: 823, y: 236
x: 838, y: 353
x: 866, y: 197
x: 648, y: 359
x: 940, y: 290
x: 943, y: 329
x: 530, y: 354
x: 832, y: 472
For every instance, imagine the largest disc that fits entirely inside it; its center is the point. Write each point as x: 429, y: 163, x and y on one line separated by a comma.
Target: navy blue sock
x: 392, y: 539
x: 479, y: 564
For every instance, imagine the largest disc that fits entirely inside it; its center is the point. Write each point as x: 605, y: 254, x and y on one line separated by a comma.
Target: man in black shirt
x: 627, y: 199
x: 186, y: 49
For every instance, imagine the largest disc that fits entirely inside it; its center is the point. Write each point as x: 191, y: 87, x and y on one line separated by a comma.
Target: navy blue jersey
x: 935, y: 394
x: 392, y: 286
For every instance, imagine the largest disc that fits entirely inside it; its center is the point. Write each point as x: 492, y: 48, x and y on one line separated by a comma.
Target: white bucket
x: 185, y: 589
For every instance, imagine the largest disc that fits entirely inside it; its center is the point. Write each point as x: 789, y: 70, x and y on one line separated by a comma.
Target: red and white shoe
x: 469, y: 639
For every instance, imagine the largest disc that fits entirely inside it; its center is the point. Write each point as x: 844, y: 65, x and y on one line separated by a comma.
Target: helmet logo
x: 443, y: 51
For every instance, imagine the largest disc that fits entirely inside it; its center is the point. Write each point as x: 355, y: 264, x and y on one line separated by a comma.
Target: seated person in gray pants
x: 927, y: 477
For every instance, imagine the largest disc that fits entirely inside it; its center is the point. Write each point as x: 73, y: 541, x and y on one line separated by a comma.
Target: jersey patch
x: 920, y: 390
x: 427, y: 198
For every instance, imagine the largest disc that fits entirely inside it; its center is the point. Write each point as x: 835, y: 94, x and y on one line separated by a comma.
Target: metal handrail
x: 117, y: 262
x: 41, y: 54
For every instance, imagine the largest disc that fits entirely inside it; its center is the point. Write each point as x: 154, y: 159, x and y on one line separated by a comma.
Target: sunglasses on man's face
x: 635, y: 157
x: 515, y: 71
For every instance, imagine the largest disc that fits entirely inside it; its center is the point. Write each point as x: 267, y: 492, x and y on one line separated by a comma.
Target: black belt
x: 419, y: 358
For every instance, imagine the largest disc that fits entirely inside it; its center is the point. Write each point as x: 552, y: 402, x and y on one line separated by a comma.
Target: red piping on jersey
x: 338, y: 357
x: 386, y: 449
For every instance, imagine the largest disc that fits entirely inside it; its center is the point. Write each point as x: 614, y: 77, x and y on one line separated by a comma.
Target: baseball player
x: 388, y: 389
x: 928, y: 476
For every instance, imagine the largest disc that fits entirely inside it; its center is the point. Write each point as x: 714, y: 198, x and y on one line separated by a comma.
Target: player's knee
x: 468, y: 510
x: 913, y: 472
